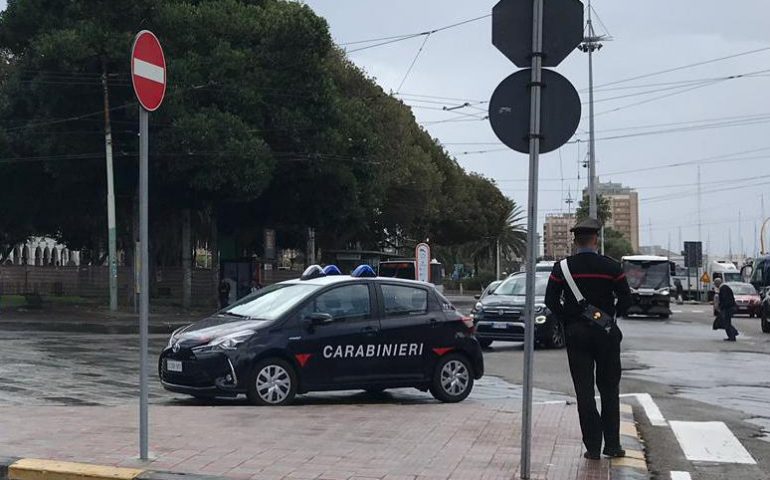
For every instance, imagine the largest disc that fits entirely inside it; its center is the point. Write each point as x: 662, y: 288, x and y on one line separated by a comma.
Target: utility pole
x: 742, y: 254
x: 497, y: 261
x: 111, y: 247
x: 700, y: 228
x: 652, y: 245
x: 591, y: 43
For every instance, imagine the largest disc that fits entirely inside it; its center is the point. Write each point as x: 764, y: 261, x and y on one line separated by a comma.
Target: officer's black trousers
x: 589, y: 349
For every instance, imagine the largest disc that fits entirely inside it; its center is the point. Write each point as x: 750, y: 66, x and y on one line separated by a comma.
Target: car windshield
x: 647, y: 274
x: 742, y: 289
x: 270, y: 302
x: 518, y: 286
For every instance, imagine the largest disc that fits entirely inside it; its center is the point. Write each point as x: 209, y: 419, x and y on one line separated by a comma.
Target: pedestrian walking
x: 224, y: 293
x: 726, y: 307
x: 586, y: 291
x: 679, y: 291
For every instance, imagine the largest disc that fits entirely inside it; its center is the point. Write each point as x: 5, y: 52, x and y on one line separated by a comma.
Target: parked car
x: 498, y: 316
x: 327, y: 332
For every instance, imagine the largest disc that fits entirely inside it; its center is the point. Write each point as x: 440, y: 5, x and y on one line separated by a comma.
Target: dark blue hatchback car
x: 327, y: 332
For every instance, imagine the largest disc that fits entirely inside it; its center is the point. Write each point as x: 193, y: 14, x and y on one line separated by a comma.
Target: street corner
x: 13, y: 468
x: 634, y: 465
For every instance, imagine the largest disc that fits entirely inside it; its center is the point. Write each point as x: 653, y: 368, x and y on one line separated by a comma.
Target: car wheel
x: 374, y: 391
x: 452, y: 379
x: 485, y: 342
x: 273, y: 383
x: 765, y: 323
x: 752, y: 314
x: 556, y: 338
x: 665, y: 316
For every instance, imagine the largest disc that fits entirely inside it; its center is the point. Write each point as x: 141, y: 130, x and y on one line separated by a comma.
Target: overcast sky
x: 649, y: 36
x: 657, y: 35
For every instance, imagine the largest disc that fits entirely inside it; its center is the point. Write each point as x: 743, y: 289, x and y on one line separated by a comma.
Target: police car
x: 327, y: 331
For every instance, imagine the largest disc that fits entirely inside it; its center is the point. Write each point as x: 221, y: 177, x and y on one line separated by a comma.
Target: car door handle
x: 369, y: 331
x: 433, y: 322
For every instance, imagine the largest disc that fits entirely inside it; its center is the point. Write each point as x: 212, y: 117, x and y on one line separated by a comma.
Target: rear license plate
x: 501, y: 326
x: 173, y: 365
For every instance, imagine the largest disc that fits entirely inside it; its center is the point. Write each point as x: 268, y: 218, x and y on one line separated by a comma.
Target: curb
x: 634, y: 465
x: 37, y: 469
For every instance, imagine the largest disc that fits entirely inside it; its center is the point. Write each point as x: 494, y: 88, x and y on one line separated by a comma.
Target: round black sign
x: 509, y: 111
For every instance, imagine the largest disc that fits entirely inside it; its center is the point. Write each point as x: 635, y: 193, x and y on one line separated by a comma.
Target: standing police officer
x: 591, y: 348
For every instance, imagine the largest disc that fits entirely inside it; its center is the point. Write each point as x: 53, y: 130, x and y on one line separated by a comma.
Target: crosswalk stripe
x: 680, y: 476
x: 710, y: 442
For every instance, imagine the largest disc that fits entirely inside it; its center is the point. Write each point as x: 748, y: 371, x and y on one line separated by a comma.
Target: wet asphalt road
x: 691, y: 374
x: 687, y: 368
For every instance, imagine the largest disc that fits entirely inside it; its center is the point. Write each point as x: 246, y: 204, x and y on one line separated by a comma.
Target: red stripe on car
x: 302, y: 358
x: 443, y: 351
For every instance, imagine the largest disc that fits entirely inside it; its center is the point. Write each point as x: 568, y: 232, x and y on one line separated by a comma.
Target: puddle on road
x: 735, y: 380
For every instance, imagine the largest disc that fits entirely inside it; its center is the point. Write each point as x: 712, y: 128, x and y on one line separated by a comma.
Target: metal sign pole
x: 144, y: 281
x: 532, y: 247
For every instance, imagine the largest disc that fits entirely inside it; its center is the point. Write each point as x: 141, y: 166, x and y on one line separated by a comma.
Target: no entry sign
x: 148, y: 70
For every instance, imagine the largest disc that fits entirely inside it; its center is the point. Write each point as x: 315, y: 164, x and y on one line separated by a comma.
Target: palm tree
x: 512, y: 235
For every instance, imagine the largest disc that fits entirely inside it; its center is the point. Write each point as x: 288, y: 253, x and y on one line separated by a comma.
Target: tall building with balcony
x: 624, y: 206
x: 557, y: 239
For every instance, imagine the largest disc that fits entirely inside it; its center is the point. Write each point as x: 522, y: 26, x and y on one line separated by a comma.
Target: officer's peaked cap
x: 588, y: 225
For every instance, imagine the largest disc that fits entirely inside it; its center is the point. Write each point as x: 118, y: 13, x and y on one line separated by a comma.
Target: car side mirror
x: 319, y: 318
x: 477, y: 296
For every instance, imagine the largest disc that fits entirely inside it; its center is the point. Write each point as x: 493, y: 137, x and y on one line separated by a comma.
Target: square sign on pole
x: 693, y: 254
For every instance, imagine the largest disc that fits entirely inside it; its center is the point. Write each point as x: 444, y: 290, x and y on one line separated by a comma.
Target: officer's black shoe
x: 616, y: 452
x: 592, y: 456
x: 729, y: 339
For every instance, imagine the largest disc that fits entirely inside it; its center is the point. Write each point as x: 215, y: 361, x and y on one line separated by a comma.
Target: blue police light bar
x: 311, y: 272
x: 332, y: 270
x: 363, y: 271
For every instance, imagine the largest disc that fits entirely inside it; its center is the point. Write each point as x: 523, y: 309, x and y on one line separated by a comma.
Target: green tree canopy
x: 265, y: 124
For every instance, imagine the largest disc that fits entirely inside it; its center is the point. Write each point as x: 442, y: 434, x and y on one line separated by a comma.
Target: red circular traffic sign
x: 148, y: 70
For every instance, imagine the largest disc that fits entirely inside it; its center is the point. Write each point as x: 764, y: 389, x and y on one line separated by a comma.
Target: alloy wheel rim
x: 454, y: 377
x: 273, y: 384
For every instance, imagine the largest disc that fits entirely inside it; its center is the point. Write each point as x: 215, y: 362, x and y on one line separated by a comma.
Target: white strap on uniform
x: 571, y: 281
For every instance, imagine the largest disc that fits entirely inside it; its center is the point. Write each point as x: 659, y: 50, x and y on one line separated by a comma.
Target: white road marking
x: 149, y: 71
x: 696, y: 311
x: 650, y: 408
x: 680, y: 476
x: 677, y: 311
x: 710, y: 442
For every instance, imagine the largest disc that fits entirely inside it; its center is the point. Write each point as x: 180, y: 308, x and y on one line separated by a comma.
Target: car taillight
x: 468, y: 321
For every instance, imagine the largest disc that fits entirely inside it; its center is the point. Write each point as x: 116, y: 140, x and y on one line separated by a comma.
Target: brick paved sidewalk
x: 470, y: 440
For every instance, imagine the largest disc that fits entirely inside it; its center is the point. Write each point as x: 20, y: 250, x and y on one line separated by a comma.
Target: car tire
x: 273, y: 382
x: 374, y: 391
x: 485, y: 342
x: 556, y: 336
x: 665, y: 316
x: 765, y: 323
x: 452, y: 379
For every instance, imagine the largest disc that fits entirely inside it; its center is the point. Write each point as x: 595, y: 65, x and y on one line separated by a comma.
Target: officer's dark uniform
x: 601, y: 281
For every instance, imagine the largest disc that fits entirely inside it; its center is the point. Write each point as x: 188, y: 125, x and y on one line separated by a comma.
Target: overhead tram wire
x: 395, y: 39
x: 414, y: 61
x: 685, y: 67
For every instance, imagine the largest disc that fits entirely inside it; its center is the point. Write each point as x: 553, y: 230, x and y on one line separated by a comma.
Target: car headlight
x: 539, y: 309
x: 540, y: 319
x: 226, y: 342
x: 665, y: 291
x: 478, y: 306
x: 172, y: 338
